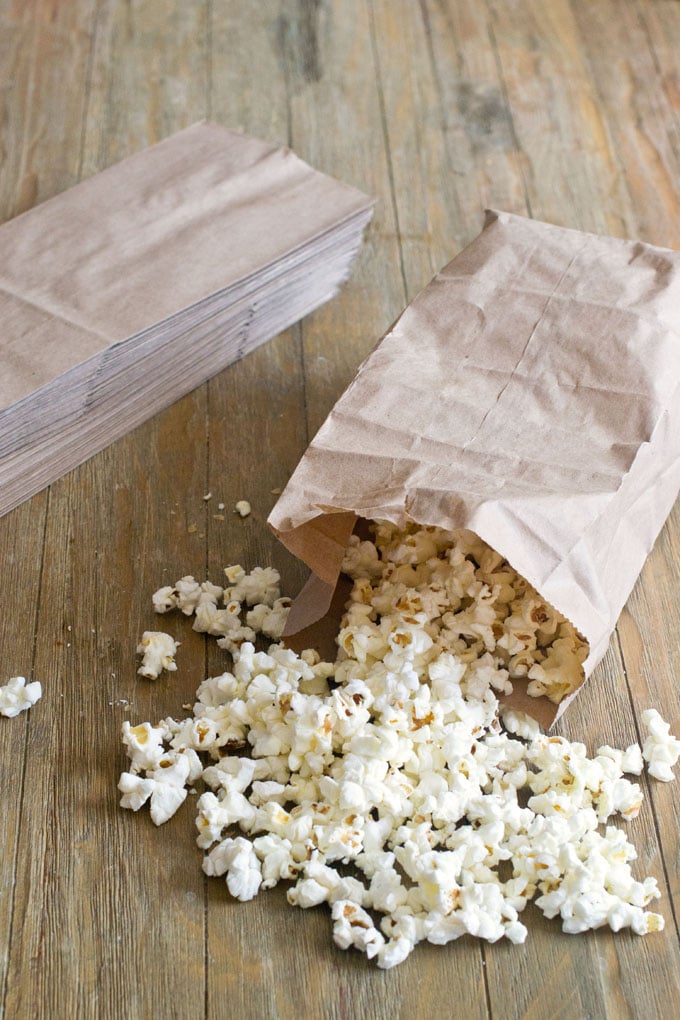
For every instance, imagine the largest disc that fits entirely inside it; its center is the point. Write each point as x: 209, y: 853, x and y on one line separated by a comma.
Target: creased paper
x: 530, y: 393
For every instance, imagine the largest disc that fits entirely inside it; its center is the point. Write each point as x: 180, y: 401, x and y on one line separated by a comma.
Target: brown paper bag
x: 135, y: 286
x: 531, y: 393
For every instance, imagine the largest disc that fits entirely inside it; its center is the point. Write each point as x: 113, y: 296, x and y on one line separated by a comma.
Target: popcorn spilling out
x: 17, y: 696
x: 158, y: 653
x: 384, y: 784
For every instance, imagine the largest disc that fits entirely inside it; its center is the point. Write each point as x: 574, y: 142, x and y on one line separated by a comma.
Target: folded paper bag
x: 531, y: 393
x: 137, y: 285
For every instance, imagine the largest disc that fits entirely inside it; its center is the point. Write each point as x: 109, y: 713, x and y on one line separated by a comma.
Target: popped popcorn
x: 158, y: 652
x: 661, y: 749
x: 243, y: 508
x: 261, y: 585
x: 188, y: 593
x: 17, y: 696
x: 164, y: 599
x: 164, y: 785
x: 393, y: 759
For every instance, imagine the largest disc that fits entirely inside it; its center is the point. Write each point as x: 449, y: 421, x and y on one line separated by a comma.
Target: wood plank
x: 660, y: 24
x: 267, y: 393
x: 643, y: 77
x: 647, y: 631
x: 45, y: 59
x: 40, y: 157
x: 21, y: 552
x: 314, y: 59
x: 558, y: 118
x: 462, y: 155
x: 257, y: 434
x: 97, y: 882
x: 579, y: 957
x: 627, y: 84
x: 549, y: 50
x: 337, y: 124
x: 346, y: 101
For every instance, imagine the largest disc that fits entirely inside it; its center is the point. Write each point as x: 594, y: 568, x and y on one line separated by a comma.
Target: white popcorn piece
x: 394, y: 952
x: 158, y: 650
x: 164, y: 787
x: 144, y: 744
x: 178, y: 766
x: 277, y: 861
x: 661, y: 749
x: 17, y: 696
x: 174, y: 770
x: 519, y: 723
x: 237, y: 859
x: 632, y: 762
x: 217, y: 622
x: 135, y: 789
x: 166, y: 799
x: 261, y: 585
x: 164, y: 599
x: 243, y: 508
x: 352, y: 926
x: 307, y: 892
x: 234, y: 573
x: 269, y: 620
x: 188, y: 593
x: 211, y: 820
x: 235, y: 638
x: 210, y: 593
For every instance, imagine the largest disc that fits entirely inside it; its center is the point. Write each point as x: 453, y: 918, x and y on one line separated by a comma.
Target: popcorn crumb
x: 220, y: 506
x: 192, y: 529
x: 17, y: 696
x: 158, y: 651
x: 243, y: 508
x: 207, y: 496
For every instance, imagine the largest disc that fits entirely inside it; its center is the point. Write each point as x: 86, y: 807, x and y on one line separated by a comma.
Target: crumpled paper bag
x: 531, y: 393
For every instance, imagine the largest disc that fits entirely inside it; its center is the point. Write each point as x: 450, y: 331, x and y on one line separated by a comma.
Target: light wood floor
x: 568, y: 111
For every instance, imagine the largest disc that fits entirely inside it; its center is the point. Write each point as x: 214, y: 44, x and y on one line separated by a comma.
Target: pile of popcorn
x: 384, y: 783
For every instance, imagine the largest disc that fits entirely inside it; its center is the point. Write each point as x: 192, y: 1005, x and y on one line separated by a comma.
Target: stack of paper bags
x: 124, y: 293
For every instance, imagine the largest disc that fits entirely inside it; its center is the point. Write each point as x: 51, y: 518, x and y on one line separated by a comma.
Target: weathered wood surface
x: 569, y: 111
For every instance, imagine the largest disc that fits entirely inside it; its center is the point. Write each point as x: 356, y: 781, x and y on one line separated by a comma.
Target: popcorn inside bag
x: 391, y: 783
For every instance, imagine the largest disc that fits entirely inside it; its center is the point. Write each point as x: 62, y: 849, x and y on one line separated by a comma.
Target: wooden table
x: 568, y: 111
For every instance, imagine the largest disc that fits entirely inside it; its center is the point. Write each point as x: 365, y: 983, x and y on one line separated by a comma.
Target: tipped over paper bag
x: 531, y: 394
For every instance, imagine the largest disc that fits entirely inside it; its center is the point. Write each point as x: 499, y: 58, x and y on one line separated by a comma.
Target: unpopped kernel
x: 384, y: 783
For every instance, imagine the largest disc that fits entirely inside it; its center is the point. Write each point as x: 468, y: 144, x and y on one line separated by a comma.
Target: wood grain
x: 568, y: 111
